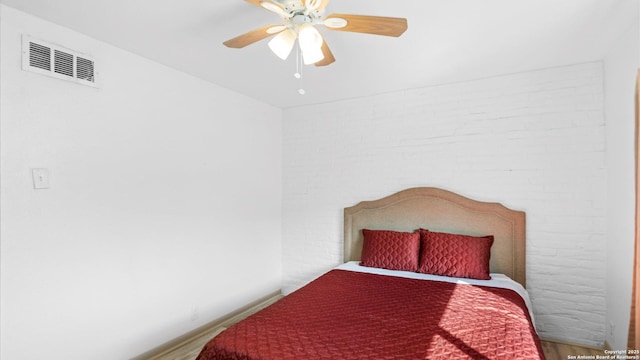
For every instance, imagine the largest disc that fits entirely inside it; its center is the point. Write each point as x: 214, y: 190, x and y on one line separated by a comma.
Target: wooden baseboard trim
x: 573, y: 343
x: 222, y: 322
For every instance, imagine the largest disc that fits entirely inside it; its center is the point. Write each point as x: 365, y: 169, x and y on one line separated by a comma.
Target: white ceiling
x: 447, y: 41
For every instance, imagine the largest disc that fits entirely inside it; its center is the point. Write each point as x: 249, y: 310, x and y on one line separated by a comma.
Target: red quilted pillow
x: 391, y: 250
x: 455, y: 255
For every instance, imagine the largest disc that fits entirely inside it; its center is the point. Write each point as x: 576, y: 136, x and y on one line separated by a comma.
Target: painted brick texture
x: 533, y: 141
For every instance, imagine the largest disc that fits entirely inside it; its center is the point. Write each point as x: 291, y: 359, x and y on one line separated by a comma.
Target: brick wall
x: 533, y: 141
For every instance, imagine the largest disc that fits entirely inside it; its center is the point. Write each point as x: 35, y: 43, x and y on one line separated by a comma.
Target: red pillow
x: 391, y: 250
x: 455, y: 255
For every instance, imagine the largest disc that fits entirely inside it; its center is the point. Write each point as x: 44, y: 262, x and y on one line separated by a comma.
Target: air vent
x: 84, y: 69
x: 56, y: 61
x: 39, y: 56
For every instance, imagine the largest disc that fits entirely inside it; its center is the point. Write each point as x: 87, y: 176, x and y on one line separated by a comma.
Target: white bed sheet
x: 497, y: 280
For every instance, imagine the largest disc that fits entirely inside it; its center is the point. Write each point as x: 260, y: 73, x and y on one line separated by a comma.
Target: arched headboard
x: 444, y: 211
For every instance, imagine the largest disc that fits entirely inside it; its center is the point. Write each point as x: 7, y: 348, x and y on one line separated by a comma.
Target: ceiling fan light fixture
x: 310, y: 43
x: 282, y: 44
x: 309, y: 37
x: 312, y: 56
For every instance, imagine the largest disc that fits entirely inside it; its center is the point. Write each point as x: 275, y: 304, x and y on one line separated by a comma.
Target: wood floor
x: 559, y: 351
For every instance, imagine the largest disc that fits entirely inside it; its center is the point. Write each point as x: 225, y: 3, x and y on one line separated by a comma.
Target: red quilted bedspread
x: 351, y: 315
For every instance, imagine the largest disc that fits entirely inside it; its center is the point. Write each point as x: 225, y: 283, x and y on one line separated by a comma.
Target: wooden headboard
x: 443, y: 211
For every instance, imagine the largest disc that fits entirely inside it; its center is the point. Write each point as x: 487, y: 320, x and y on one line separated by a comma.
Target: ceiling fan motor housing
x: 300, y: 19
x: 291, y: 6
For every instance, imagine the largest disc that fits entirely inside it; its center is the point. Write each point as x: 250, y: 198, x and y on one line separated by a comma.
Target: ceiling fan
x: 300, y: 18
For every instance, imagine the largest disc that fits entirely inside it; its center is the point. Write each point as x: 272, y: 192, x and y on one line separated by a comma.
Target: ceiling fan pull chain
x: 298, y: 73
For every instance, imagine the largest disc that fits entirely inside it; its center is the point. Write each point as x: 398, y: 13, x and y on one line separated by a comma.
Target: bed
x: 427, y: 274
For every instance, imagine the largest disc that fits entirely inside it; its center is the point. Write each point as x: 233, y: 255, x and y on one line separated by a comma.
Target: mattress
x: 356, y: 313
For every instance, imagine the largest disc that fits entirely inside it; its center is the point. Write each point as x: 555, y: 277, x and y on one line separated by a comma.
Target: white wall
x: 534, y: 141
x: 621, y: 65
x: 165, y: 202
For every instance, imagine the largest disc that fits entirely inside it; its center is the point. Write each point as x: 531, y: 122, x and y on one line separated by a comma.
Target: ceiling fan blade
x: 316, y: 4
x: 253, y: 36
x: 377, y: 25
x: 328, y: 55
x: 271, y: 6
x: 255, y: 2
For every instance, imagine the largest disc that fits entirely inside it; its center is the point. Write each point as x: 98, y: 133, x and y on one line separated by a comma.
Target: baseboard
x: 222, y: 322
x: 573, y: 343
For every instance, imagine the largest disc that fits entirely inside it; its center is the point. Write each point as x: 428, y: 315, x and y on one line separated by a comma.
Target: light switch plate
x: 40, y: 178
